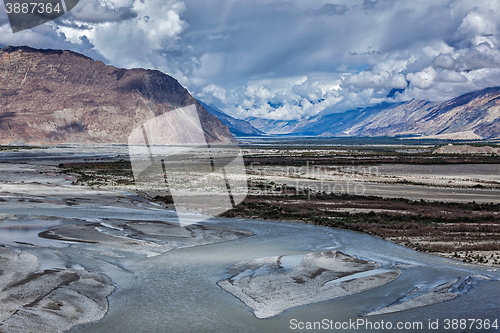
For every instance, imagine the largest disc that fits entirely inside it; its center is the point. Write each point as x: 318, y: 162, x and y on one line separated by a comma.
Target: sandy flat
x: 270, y: 288
x: 441, y: 293
x: 53, y: 300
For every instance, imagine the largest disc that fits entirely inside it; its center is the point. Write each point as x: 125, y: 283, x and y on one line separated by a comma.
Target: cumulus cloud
x: 480, y: 56
x: 450, y: 76
x: 444, y: 61
x: 287, y: 60
x: 433, y: 52
x: 99, y: 12
x: 125, y: 33
x: 423, y: 79
x: 379, y: 79
x: 477, y: 26
x: 213, y: 94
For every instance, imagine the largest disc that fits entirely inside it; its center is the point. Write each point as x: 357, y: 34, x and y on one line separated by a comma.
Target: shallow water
x: 289, y: 262
x: 13, y: 232
x: 359, y: 275
x: 177, y: 291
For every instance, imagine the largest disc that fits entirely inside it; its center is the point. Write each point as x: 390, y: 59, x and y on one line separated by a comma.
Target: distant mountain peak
x: 475, y: 115
x: 237, y: 127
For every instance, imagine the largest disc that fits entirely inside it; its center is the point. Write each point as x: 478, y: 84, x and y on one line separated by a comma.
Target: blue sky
x: 289, y: 59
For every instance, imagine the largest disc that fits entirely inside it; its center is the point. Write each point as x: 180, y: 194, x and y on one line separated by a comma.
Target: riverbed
x: 176, y: 290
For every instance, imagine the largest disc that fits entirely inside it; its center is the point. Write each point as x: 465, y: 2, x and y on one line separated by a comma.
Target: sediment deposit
x: 269, y: 287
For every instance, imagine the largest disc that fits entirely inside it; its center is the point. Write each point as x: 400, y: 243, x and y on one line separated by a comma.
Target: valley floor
x: 448, y: 205
x: 85, y: 208
x: 445, y: 204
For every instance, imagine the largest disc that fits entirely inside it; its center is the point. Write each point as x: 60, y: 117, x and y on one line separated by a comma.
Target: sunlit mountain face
x: 55, y: 96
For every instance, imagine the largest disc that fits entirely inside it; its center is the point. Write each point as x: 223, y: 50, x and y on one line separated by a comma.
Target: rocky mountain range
x: 55, y: 96
x: 272, y: 127
x: 237, y: 127
x: 471, y: 116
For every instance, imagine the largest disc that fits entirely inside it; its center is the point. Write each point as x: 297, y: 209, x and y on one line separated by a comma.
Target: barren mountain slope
x: 54, y: 96
x: 471, y: 116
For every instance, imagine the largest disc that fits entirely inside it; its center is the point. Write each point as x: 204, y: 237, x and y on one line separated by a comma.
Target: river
x: 177, y: 291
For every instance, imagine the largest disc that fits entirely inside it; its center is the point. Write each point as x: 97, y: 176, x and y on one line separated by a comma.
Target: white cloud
x: 450, y: 76
x: 445, y: 61
x: 124, y: 33
x: 423, y: 79
x: 212, y: 92
x: 289, y: 60
x: 480, y: 56
x: 477, y: 22
x: 102, y: 11
x: 137, y: 42
x: 380, y: 79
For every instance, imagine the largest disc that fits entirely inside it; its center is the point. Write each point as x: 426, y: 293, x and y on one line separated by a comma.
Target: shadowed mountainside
x: 237, y: 127
x: 55, y: 96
